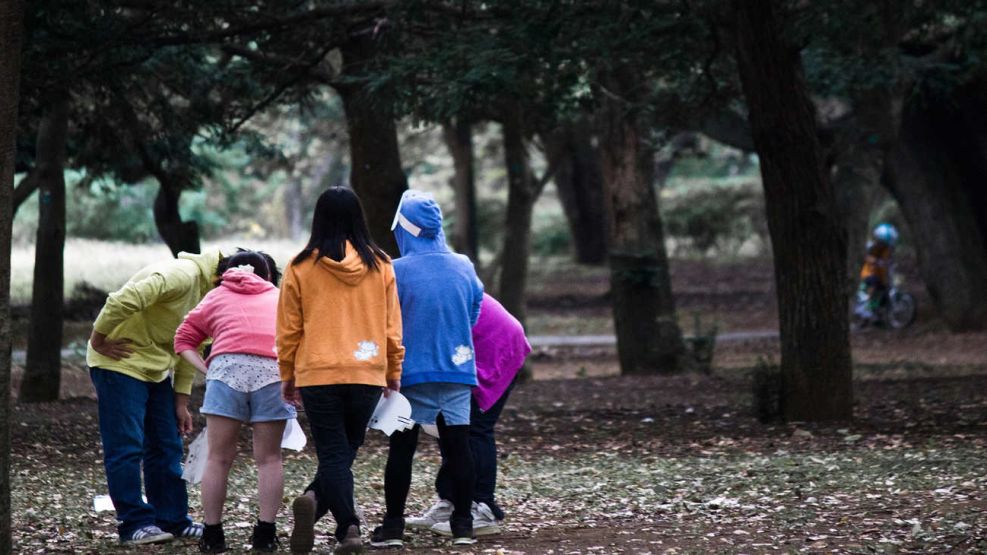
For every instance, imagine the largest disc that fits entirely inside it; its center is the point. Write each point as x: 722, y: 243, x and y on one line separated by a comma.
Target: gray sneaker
x: 440, y: 512
x: 484, y: 522
x: 147, y: 534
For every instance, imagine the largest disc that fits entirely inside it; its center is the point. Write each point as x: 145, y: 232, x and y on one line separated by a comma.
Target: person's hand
x: 392, y: 385
x: 115, y: 349
x: 182, y: 415
x: 290, y: 393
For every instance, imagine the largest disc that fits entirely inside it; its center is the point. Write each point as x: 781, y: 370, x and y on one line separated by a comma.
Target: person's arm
x: 290, y: 328
x: 130, y: 299
x: 395, y: 347
x: 477, y: 300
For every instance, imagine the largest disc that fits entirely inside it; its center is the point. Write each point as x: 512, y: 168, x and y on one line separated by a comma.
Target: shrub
x: 714, y: 219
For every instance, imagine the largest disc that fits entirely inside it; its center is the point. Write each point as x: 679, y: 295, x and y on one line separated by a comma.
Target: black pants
x: 337, y: 417
x: 483, y: 446
x: 454, y: 442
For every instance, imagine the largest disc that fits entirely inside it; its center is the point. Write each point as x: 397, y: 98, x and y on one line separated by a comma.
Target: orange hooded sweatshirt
x: 339, y: 322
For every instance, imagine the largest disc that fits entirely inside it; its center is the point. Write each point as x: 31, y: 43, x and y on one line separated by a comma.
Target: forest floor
x: 592, y: 462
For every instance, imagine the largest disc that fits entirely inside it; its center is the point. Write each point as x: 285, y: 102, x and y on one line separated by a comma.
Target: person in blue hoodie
x: 440, y: 296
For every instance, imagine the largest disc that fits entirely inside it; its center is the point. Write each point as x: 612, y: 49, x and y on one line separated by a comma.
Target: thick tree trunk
x: 807, y: 236
x: 579, y: 182
x: 935, y: 173
x: 180, y: 236
x: 42, y: 373
x: 458, y: 136
x: 11, y: 34
x: 521, y: 196
x: 376, y: 173
x: 856, y: 183
x: 649, y: 339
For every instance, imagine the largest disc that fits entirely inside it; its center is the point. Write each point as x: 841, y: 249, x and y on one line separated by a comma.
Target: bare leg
x: 223, y: 434
x: 270, y: 474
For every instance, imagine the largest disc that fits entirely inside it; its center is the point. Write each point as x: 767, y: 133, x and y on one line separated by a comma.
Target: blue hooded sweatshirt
x: 440, y: 297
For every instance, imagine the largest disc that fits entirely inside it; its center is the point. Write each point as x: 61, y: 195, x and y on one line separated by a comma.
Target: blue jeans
x: 137, y: 425
x: 337, y: 418
x: 483, y: 444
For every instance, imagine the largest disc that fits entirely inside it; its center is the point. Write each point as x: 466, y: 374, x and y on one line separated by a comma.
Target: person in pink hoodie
x: 243, y: 385
x: 500, y: 348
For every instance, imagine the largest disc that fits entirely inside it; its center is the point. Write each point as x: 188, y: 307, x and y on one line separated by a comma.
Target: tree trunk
x: 807, y: 236
x: 579, y: 182
x: 293, y: 207
x: 934, y: 174
x: 180, y: 236
x: 856, y: 183
x: 458, y: 136
x: 521, y: 196
x: 11, y: 34
x: 376, y: 174
x: 648, y: 336
x: 42, y: 373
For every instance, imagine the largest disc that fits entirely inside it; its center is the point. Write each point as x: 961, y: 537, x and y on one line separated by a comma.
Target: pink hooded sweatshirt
x: 500, y: 348
x: 240, y: 315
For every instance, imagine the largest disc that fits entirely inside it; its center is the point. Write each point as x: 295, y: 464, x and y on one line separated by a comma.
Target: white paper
x: 294, y: 437
x: 102, y: 503
x: 195, y: 462
x: 393, y: 413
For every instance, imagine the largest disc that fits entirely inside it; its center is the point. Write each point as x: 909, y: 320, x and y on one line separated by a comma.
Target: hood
x: 207, y: 262
x: 418, y: 224
x: 350, y: 270
x: 244, y: 282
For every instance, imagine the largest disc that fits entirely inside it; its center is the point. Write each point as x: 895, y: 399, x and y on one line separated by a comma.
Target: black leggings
x: 455, y: 442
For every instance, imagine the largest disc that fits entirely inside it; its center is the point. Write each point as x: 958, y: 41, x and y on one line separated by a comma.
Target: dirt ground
x: 592, y: 462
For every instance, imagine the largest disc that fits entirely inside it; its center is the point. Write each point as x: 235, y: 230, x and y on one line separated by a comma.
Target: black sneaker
x: 388, y: 534
x: 264, y: 538
x: 213, y: 539
x: 462, y: 531
x: 303, y: 534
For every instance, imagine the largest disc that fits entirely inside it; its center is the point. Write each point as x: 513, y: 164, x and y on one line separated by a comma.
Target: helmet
x: 886, y: 233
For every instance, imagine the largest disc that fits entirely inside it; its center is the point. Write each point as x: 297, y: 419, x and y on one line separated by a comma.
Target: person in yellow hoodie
x: 141, y: 412
x: 339, y: 344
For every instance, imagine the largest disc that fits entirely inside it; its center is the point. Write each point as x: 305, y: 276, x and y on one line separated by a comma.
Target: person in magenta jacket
x: 243, y: 385
x: 500, y: 348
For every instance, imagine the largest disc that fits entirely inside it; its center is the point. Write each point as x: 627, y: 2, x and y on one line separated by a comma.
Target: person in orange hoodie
x: 338, y: 343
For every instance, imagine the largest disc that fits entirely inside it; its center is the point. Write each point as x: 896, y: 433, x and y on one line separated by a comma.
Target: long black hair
x: 339, y: 218
x: 264, y: 265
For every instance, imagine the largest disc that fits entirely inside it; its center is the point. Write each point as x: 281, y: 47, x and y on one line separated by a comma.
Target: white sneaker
x: 484, y: 522
x: 440, y: 512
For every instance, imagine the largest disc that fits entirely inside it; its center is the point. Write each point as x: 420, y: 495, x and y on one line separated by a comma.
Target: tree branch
x: 24, y: 189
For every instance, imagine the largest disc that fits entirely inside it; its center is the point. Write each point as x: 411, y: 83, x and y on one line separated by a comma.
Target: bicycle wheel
x: 901, y: 310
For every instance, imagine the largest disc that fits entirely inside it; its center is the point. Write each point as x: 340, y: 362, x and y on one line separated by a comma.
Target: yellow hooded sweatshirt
x: 339, y: 322
x: 147, y: 310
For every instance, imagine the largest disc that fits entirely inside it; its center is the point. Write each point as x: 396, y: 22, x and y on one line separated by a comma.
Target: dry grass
x: 107, y: 265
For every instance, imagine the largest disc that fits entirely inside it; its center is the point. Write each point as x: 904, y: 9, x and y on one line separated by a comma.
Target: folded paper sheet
x: 393, y: 413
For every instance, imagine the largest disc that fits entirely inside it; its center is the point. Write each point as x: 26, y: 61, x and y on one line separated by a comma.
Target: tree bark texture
x: 857, y: 186
x: 42, y: 373
x: 458, y: 136
x: 521, y: 196
x: 807, y: 235
x: 579, y: 182
x: 11, y: 37
x: 649, y: 339
x: 180, y: 236
x: 376, y: 173
x: 937, y: 174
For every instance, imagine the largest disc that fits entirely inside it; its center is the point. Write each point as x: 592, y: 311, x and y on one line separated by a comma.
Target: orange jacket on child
x: 339, y: 322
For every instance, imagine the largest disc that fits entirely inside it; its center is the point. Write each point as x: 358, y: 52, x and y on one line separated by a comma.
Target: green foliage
x: 714, y: 218
x: 551, y: 236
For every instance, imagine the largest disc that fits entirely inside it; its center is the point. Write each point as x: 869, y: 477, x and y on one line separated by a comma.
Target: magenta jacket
x: 500, y: 348
x: 239, y: 315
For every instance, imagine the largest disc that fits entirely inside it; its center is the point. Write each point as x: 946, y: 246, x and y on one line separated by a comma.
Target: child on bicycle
x: 875, y: 274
